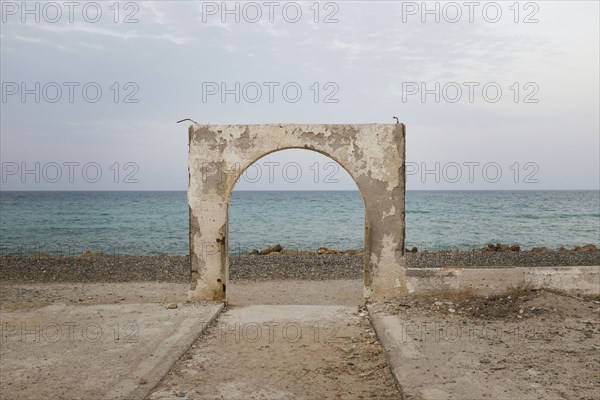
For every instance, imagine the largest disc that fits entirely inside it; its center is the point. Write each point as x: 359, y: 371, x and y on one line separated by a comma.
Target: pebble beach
x: 301, y: 266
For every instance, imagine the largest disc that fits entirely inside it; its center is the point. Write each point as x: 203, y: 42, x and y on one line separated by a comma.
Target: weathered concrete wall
x: 492, y: 281
x: 373, y: 154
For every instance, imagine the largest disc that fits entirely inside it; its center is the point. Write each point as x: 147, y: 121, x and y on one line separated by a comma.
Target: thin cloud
x: 159, y: 16
x: 128, y: 35
x: 41, y: 42
x: 352, y: 48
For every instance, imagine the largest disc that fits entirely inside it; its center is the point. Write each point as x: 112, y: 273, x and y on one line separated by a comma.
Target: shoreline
x: 489, y: 247
x: 274, y: 266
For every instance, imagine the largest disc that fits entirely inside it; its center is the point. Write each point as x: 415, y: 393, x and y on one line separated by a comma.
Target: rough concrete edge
x: 392, y: 353
x: 393, y: 349
x: 164, y: 365
x: 570, y: 279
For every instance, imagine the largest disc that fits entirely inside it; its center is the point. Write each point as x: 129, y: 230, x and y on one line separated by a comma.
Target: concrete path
x: 299, y: 352
x: 100, y: 351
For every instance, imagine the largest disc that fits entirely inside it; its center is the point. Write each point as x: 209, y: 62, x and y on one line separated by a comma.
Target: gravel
x: 296, y: 267
x: 267, y: 267
x: 95, y: 269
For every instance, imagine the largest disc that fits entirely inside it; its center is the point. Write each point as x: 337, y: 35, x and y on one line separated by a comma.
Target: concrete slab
x: 281, y: 352
x: 497, y: 280
x: 392, y: 335
x: 101, y: 351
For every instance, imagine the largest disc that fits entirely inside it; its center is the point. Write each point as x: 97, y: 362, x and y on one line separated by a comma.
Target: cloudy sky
x: 494, y: 95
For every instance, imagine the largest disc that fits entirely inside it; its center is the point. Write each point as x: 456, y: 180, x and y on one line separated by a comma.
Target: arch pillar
x: 373, y: 154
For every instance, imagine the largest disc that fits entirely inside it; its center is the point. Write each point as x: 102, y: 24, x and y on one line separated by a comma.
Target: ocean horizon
x: 156, y: 222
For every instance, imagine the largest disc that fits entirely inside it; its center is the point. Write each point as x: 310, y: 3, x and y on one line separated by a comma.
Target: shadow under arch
x: 372, y: 154
x: 240, y: 172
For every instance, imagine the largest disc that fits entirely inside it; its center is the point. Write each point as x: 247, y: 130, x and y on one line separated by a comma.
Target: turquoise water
x: 145, y: 223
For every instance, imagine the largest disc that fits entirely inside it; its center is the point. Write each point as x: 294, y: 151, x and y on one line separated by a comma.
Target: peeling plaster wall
x: 373, y: 154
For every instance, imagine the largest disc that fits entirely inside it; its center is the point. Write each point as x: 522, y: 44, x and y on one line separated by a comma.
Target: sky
x: 494, y: 95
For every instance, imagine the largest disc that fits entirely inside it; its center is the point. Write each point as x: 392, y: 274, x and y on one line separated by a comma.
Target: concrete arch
x: 372, y: 154
x: 242, y: 170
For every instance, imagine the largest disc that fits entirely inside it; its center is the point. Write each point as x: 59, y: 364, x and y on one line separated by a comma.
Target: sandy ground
x: 283, y: 352
x: 319, y: 345
x: 15, y: 296
x: 523, y: 345
x: 323, y: 346
x: 528, y: 345
x: 113, y: 344
x: 327, y: 292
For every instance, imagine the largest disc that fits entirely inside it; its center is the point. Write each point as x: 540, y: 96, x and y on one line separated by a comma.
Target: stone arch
x: 373, y: 155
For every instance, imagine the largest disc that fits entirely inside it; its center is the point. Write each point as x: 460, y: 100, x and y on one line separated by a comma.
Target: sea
x: 153, y: 223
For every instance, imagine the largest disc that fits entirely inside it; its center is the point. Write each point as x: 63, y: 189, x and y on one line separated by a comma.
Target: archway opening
x: 295, y: 215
